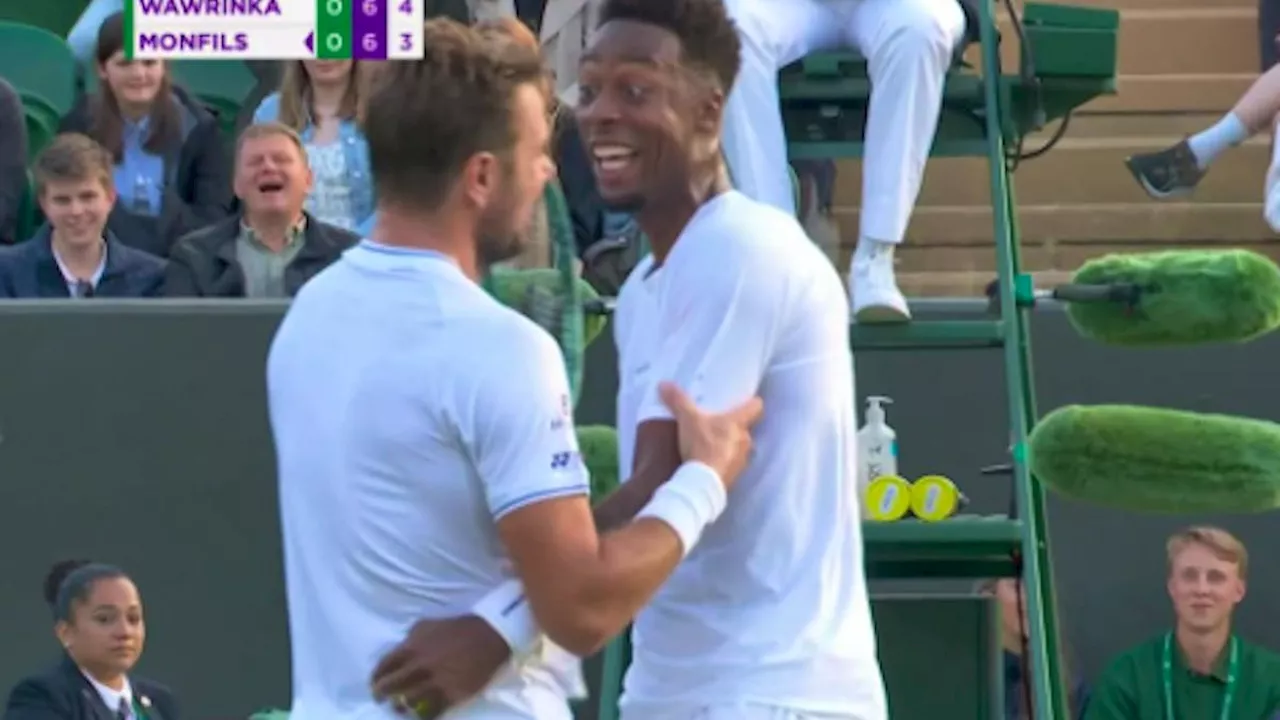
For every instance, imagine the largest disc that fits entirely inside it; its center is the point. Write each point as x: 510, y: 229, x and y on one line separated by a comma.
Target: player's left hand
x: 441, y: 664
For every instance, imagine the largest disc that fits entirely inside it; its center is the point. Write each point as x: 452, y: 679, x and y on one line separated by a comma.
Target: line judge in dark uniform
x: 98, y: 620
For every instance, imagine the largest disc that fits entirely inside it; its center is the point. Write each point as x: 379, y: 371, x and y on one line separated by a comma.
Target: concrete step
x: 1130, y: 5
x: 1065, y: 256
x: 1077, y: 171
x: 971, y: 269
x: 1095, y: 125
x: 964, y: 284
x: 1196, y: 92
x: 1150, y: 223
x: 966, y: 271
x: 1163, y: 40
x: 950, y: 284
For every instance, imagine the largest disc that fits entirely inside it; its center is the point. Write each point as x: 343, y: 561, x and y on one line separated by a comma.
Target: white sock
x: 1207, y: 145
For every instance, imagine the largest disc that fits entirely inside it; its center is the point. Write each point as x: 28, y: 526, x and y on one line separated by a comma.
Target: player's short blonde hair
x: 1222, y: 544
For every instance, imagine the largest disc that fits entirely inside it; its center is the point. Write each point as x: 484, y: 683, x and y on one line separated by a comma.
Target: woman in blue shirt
x: 172, y: 169
x: 83, y: 40
x: 322, y: 101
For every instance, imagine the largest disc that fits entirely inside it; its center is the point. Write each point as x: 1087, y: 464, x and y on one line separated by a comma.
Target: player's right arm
x: 584, y: 587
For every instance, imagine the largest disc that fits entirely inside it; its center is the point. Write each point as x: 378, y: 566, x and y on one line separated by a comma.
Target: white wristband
x: 507, y: 611
x: 690, y: 501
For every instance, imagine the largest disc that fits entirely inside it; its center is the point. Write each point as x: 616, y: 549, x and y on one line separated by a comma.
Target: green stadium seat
x: 39, y: 65
x: 220, y: 84
x: 58, y: 16
x: 42, y: 124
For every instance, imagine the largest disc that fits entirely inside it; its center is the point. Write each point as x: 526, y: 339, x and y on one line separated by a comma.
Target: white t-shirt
x: 410, y: 412
x: 771, y: 606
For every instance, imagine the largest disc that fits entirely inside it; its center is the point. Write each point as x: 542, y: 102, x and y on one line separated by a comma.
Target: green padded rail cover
x: 569, y: 326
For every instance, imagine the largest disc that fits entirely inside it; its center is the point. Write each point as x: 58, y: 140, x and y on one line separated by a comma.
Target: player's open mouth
x: 612, y: 158
x: 271, y: 186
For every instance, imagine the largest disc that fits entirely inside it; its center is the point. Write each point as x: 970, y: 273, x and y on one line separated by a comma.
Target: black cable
x: 1027, y: 71
x: 1049, y: 144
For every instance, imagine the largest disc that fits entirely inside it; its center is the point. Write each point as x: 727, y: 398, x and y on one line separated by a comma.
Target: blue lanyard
x: 1228, y: 697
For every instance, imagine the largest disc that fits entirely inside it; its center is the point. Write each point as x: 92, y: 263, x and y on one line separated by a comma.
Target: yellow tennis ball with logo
x: 935, y: 498
x: 888, y: 498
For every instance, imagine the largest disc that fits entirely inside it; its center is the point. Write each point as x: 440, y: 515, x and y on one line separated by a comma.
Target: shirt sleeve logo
x: 563, y: 460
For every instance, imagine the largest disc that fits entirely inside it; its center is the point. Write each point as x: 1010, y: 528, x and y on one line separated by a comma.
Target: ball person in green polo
x: 1199, y: 670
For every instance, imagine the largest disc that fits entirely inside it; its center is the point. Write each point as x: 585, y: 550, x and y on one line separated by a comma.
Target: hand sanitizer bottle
x: 877, y: 448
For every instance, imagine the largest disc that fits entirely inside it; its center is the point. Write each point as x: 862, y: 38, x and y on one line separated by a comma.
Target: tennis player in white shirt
x: 427, y: 458
x: 768, y: 618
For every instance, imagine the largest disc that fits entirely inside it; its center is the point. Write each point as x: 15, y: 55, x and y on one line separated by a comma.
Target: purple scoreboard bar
x: 369, y: 29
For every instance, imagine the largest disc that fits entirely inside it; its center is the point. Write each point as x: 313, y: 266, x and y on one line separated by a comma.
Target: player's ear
x: 481, y: 177
x: 710, y: 111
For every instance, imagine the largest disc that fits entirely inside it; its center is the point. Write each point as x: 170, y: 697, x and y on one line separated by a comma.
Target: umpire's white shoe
x: 873, y: 290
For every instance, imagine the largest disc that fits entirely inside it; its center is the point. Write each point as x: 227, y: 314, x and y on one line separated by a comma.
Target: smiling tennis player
x: 427, y: 460
x: 768, y: 617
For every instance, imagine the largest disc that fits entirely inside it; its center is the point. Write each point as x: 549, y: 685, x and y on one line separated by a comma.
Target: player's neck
x: 438, y: 232
x: 1201, y: 649
x: 664, y: 219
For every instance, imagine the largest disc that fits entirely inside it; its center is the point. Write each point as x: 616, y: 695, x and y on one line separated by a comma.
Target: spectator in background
x: 170, y: 161
x: 84, y: 36
x: 322, y: 101
x: 1175, y: 171
x: 75, y: 254
x: 273, y: 246
x: 1008, y: 592
x: 98, y: 620
x: 13, y: 161
x: 1199, y: 670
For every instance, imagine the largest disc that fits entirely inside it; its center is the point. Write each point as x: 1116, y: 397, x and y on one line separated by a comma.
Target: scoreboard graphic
x: 275, y: 29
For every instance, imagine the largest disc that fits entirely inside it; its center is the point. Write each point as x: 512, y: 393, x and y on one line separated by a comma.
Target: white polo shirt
x: 410, y: 411
x: 771, y: 606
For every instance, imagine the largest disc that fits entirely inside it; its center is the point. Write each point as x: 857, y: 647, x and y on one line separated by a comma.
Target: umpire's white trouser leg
x: 774, y: 33
x: 908, y: 46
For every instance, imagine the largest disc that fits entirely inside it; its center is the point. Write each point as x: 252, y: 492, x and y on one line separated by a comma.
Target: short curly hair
x: 709, y: 41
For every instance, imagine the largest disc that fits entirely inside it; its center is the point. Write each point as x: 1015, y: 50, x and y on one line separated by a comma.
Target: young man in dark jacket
x: 74, y: 255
